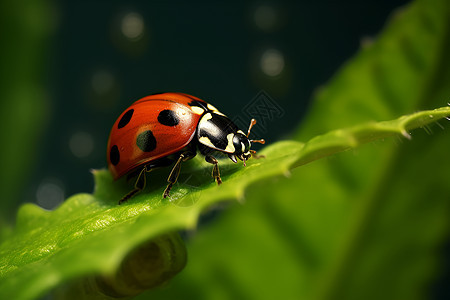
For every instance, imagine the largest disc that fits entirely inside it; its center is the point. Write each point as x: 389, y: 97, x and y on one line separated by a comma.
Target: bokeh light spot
x: 132, y: 26
x: 81, y: 144
x: 50, y: 193
x: 272, y: 62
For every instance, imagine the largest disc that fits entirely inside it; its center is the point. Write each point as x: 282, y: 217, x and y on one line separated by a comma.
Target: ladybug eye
x: 237, y: 144
x: 241, y: 143
x: 247, y: 145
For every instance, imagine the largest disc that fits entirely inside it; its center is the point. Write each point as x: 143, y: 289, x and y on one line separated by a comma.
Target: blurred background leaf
x: 366, y: 224
x: 25, y: 29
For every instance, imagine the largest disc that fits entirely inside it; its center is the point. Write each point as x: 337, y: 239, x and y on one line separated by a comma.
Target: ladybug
x: 168, y: 128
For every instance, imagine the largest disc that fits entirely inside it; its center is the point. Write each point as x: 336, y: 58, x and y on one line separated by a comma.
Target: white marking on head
x: 230, y: 147
x: 242, y: 147
x: 197, y: 110
x: 206, y: 141
x: 209, y: 127
x: 211, y: 107
x: 241, y: 132
x: 207, y: 117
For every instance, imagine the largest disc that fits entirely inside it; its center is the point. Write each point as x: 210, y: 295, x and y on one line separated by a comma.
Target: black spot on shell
x: 168, y: 117
x: 125, y: 118
x: 114, y: 155
x: 146, y: 141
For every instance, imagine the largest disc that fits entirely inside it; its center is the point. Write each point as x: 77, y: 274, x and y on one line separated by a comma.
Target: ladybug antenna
x: 261, y: 141
x: 252, y: 123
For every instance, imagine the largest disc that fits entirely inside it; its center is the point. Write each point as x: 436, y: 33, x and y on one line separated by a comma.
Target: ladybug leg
x: 215, y: 171
x: 174, y: 175
x: 138, y: 186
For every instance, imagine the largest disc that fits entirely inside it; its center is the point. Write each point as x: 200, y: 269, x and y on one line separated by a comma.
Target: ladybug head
x: 242, y: 145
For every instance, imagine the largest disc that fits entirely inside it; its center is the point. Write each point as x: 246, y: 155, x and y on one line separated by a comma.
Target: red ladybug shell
x: 151, y: 128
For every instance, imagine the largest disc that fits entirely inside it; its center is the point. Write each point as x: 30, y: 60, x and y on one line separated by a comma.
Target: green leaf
x: 91, y: 234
